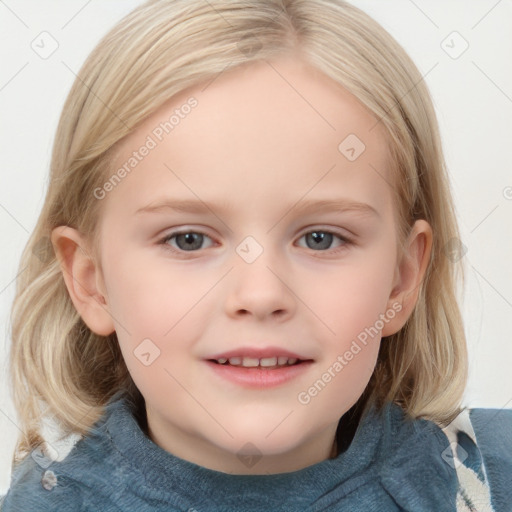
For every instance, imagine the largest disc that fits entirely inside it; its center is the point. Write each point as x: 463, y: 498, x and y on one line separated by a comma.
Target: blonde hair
x: 58, y: 366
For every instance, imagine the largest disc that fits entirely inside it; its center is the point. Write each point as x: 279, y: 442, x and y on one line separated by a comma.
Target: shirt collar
x: 404, y: 456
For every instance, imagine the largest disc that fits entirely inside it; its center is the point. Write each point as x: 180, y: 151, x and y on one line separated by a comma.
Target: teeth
x: 249, y: 361
x: 252, y: 362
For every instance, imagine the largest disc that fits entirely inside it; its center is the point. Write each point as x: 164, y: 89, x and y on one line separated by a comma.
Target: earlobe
x: 409, y: 276
x: 82, y: 276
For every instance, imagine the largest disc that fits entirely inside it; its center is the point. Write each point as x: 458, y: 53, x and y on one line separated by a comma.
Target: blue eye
x: 190, y: 241
x: 186, y: 241
x: 321, y: 239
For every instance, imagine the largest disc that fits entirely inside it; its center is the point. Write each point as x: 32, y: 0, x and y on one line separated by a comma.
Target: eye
x: 321, y: 239
x: 186, y: 241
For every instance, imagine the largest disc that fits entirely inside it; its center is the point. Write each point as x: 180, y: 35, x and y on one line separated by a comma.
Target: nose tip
x: 259, y: 291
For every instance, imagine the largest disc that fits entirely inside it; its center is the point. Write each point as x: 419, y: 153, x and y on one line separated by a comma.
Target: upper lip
x: 258, y: 353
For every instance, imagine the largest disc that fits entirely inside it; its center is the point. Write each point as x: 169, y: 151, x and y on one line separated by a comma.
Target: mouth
x: 255, y: 373
x: 266, y: 363
x: 259, y: 367
x: 254, y: 362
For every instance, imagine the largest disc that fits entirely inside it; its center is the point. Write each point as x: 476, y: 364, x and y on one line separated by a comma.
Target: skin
x: 259, y: 145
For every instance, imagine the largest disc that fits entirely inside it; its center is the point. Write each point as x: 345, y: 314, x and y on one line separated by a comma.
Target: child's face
x: 260, y: 143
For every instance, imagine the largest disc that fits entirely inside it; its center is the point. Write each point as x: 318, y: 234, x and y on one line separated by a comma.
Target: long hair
x: 58, y: 366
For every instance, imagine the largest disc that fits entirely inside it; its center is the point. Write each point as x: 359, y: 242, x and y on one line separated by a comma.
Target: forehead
x: 277, y: 131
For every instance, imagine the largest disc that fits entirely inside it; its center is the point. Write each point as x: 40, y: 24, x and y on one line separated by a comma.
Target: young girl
x: 241, y: 292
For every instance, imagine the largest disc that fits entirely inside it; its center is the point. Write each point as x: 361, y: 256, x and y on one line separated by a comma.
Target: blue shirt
x: 390, y: 465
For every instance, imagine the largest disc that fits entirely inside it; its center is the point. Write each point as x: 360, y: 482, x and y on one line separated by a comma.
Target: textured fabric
x: 465, y: 457
x: 493, y: 433
x: 392, y: 464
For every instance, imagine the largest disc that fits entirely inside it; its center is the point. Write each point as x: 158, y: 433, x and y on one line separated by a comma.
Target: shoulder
x: 34, y: 487
x: 410, y: 455
x: 481, y: 452
x: 79, y: 478
x: 468, y: 462
x: 493, y: 431
x: 91, y: 477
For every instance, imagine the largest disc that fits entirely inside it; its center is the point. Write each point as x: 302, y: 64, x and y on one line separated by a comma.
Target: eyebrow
x: 317, y: 206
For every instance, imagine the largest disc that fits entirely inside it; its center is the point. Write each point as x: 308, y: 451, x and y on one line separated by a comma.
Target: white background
x: 472, y: 95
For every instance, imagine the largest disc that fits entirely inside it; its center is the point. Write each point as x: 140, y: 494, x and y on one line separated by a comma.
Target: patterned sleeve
x: 474, y: 494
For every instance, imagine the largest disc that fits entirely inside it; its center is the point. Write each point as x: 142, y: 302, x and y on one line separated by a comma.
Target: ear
x: 83, y: 279
x: 409, y: 275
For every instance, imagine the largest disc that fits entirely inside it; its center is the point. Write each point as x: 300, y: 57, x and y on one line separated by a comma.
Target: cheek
x: 150, y: 296
x: 350, y: 304
x: 352, y: 295
x: 157, y: 301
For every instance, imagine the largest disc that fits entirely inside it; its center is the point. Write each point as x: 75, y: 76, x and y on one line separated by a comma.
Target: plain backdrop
x: 463, y: 49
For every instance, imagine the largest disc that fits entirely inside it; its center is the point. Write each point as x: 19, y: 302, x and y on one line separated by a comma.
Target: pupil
x: 191, y: 240
x: 319, y: 237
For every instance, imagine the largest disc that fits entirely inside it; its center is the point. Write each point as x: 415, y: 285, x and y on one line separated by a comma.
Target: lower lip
x: 259, y: 377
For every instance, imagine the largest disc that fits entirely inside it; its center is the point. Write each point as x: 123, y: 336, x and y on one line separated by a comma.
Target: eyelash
x: 346, y: 241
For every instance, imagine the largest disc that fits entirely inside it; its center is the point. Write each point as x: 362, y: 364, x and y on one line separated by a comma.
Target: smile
x: 253, y: 362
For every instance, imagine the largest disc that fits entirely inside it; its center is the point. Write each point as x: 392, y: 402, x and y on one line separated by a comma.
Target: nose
x: 260, y: 289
